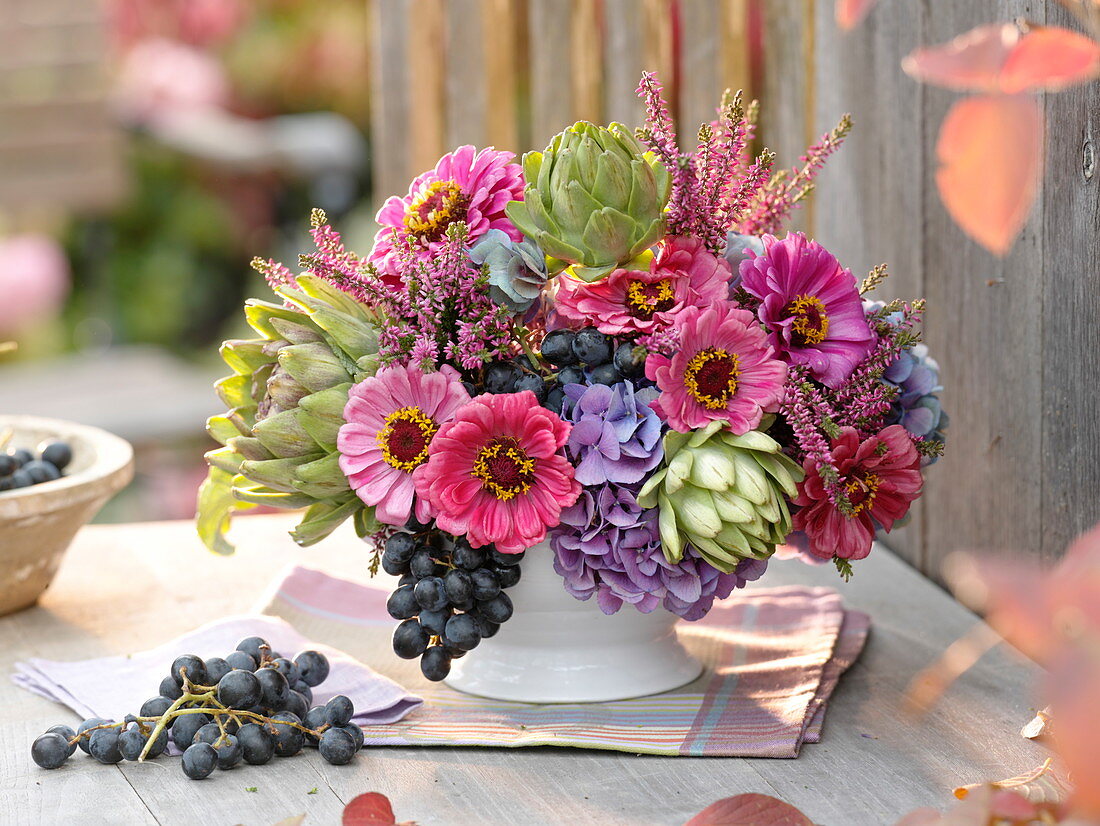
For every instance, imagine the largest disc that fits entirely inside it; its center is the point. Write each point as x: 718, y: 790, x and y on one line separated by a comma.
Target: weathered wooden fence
x: 1017, y: 338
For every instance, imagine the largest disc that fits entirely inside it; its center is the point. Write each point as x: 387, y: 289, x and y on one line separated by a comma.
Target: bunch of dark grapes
x: 450, y: 597
x: 587, y: 356
x: 21, y: 468
x: 250, y: 706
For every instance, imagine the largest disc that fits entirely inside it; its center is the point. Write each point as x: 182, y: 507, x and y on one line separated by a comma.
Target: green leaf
x: 222, y: 429
x: 214, y: 511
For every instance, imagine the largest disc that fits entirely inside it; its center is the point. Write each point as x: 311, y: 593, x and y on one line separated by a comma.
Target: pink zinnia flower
x: 725, y: 369
x: 880, y: 477
x: 810, y: 305
x: 466, y: 185
x: 496, y: 472
x: 390, y: 420
x: 682, y: 274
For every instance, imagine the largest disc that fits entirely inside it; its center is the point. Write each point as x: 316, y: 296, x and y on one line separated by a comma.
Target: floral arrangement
x: 609, y: 352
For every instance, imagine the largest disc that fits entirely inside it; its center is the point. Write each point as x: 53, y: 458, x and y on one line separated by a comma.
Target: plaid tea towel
x: 772, y: 656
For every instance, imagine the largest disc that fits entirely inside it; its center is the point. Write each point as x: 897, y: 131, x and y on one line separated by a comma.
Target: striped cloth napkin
x: 773, y: 657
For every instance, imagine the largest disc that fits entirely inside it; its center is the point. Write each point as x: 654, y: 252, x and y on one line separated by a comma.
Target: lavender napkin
x: 112, y: 687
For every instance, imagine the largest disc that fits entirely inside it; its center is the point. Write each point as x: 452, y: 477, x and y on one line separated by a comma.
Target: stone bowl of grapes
x: 54, y: 477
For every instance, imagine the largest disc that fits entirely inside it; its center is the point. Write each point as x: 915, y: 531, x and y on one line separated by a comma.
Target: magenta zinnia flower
x: 724, y: 369
x: 496, y: 472
x: 880, y: 477
x: 683, y: 273
x: 390, y: 420
x: 810, y: 305
x: 466, y: 185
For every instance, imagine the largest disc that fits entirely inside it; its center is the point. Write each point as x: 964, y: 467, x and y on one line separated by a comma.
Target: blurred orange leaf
x: 750, y: 810
x: 1008, y: 58
x: 849, y: 13
x: 990, y: 165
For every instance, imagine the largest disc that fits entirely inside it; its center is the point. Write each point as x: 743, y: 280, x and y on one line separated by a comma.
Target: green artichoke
x: 595, y: 199
x: 286, y: 401
x: 723, y: 494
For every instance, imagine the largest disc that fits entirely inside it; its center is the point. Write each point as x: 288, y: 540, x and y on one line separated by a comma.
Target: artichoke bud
x: 224, y: 459
x: 353, y: 336
x: 250, y: 448
x: 235, y: 390
x: 314, y: 366
x: 283, y: 435
x: 244, y: 355
x: 321, y: 519
x: 295, y: 332
x: 276, y: 473
x: 244, y: 491
x: 284, y: 390
x: 222, y: 429
x: 259, y: 315
x: 322, y: 478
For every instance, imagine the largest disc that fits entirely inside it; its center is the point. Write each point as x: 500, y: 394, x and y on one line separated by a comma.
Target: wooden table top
x: 125, y: 588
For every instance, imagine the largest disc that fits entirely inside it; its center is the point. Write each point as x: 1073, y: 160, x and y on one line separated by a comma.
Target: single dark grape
x: 356, y: 733
x: 339, y: 710
x: 555, y: 400
x: 313, y: 667
x: 435, y: 664
x: 199, y: 760
x: 501, y: 376
x: 40, y: 471
x: 337, y: 746
x: 430, y: 594
x: 91, y: 722
x: 487, y: 627
x: 394, y: 566
x: 498, y: 609
x: 239, y: 689
x: 21, y: 479
x: 257, y: 743
x: 229, y: 752
x: 67, y: 733
x: 302, y: 687
x: 6, y: 483
x: 208, y: 734
x: 409, y: 639
x: 407, y: 579
x: 288, y: 668
x: 504, y: 560
x: 557, y: 348
x: 252, y: 647
x: 241, y: 660
x: 155, y: 706
x: 452, y: 652
x: 169, y: 689
x: 536, y: 384
x: 288, y: 740
x: 194, y: 666
x: 630, y: 360
x: 469, y: 387
x: 486, y: 584
x: 186, y: 727
x: 274, y: 687
x: 8, y: 466
x: 402, y: 603
x: 466, y: 557
x: 131, y: 743
x: 415, y: 525
x: 22, y: 456
x: 401, y: 546
x: 462, y: 632
x: 605, y: 374
x: 104, y: 746
x: 458, y: 586
x: 314, y: 719
x: 435, y: 621
x: 50, y: 750
x: 216, y: 668
x: 58, y: 454
x: 571, y: 375
x: 297, y: 704
x: 423, y: 566
x: 592, y: 347
x: 507, y: 576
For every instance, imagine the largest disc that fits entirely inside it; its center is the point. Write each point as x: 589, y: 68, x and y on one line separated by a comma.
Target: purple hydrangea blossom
x: 609, y: 546
x: 616, y: 435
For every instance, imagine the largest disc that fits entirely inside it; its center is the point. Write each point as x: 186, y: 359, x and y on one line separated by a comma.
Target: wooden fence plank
x: 700, y: 67
x: 551, y: 56
x: 586, y: 62
x: 499, y: 30
x: 390, y: 120
x: 625, y: 58
x: 466, y: 83
x: 425, y: 72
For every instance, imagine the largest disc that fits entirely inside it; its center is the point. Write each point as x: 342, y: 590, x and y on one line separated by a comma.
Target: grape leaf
x: 750, y: 810
x: 1008, y: 58
x: 990, y: 152
x: 850, y: 13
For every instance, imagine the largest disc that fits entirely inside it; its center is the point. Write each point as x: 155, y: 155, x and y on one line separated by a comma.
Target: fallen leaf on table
x: 371, y: 809
x: 1041, y: 785
x: 750, y: 810
x: 1038, y: 726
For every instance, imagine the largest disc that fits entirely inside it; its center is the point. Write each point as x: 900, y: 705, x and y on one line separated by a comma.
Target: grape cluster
x: 249, y: 706
x: 589, y: 356
x: 450, y: 596
x: 21, y: 469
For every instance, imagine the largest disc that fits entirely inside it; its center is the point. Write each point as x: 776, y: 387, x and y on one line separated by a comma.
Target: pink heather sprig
x: 813, y: 422
x: 712, y: 186
x: 275, y: 274
x: 772, y: 204
x: 664, y: 341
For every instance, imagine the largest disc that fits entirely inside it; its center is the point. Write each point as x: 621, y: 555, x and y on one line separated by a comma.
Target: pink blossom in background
x: 34, y: 280
x: 198, y: 22
x: 161, y: 79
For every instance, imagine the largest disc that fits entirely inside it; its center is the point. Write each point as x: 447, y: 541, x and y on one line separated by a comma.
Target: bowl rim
x: 112, y: 470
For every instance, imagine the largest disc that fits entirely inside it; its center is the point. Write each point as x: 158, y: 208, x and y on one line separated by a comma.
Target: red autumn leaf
x: 850, y: 13
x: 990, y: 165
x: 750, y: 810
x: 370, y: 809
x: 1008, y: 58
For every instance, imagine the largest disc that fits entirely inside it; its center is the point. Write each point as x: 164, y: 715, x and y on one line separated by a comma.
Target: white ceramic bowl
x: 38, y: 523
x: 557, y: 649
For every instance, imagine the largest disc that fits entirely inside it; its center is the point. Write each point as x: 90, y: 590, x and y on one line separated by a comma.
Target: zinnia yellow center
x: 504, y: 468
x: 643, y: 299
x: 811, y: 323
x: 435, y: 207
x: 861, y: 492
x: 711, y: 377
x: 405, y: 438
